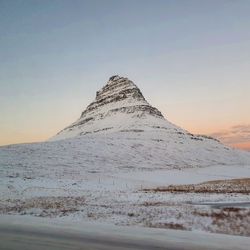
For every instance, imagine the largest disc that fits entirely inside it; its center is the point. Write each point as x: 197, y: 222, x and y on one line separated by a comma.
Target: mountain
x: 118, y: 106
x: 121, y: 113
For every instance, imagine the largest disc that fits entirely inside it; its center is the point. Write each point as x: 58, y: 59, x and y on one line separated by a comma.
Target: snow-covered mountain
x: 121, y: 113
x: 118, y: 106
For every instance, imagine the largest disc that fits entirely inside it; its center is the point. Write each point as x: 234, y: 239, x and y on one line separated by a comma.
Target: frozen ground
x: 102, y: 179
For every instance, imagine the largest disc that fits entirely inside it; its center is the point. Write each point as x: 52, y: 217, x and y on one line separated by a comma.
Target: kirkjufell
x: 121, y: 111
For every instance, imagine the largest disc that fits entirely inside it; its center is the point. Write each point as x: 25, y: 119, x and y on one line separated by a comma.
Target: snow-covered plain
x: 100, y: 177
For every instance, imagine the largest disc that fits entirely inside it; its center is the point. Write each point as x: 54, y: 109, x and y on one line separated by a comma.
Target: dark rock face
x: 117, y: 89
x: 144, y: 108
x: 113, y: 98
x: 119, y: 95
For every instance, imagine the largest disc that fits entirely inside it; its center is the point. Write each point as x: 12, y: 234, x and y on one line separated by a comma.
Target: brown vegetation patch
x: 155, y: 203
x: 45, y: 206
x: 237, y: 220
x: 167, y: 225
x: 241, y: 186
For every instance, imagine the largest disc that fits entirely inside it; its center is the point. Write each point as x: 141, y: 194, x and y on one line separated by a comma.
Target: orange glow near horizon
x: 26, y: 137
x: 243, y: 146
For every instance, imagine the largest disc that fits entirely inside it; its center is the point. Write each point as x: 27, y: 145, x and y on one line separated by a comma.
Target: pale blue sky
x: 191, y: 59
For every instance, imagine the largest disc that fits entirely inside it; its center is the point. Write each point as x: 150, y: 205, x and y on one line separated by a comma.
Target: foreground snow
x: 101, y: 178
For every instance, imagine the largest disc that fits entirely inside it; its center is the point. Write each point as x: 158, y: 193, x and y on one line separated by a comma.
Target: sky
x: 191, y: 60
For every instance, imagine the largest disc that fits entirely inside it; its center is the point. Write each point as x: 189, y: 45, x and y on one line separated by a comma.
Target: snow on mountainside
x: 120, y: 113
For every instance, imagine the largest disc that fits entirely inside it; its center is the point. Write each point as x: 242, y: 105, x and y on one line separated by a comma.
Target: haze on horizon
x: 190, y: 59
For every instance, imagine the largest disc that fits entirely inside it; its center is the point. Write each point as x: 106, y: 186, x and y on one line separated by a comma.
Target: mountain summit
x: 122, y: 93
x: 118, y: 106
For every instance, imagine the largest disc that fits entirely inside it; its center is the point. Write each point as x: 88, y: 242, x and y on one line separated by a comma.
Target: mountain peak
x: 114, y: 77
x: 117, y: 89
x: 119, y: 95
x: 118, y: 105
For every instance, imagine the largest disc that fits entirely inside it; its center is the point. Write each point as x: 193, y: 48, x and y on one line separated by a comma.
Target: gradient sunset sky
x: 191, y: 60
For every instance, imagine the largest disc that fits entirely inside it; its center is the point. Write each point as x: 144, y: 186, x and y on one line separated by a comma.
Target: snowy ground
x: 63, y: 179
